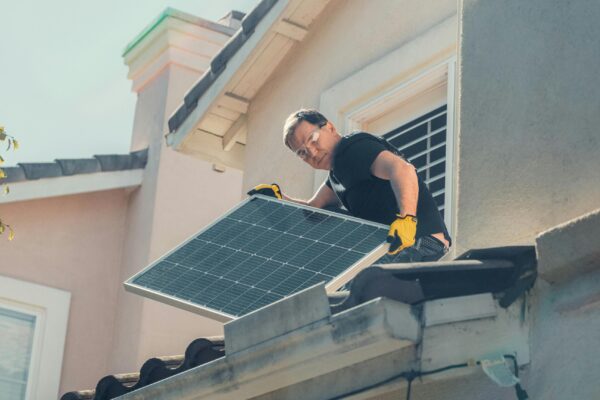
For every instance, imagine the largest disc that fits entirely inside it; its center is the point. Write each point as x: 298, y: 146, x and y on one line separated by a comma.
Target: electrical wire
x: 411, y: 375
x: 408, y: 375
x: 521, y: 393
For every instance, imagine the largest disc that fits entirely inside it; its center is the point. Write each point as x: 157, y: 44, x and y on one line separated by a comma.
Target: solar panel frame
x: 337, y: 282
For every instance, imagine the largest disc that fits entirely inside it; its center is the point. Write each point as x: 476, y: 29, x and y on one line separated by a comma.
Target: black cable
x: 411, y: 375
x: 521, y: 393
x: 408, y: 375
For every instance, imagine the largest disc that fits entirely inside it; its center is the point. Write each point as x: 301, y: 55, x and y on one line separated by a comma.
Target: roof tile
x: 41, y: 170
x: 191, y: 98
x: 178, y: 117
x: 139, y: 158
x: 75, y: 166
x: 114, y: 162
x: 253, y: 18
x: 198, y: 352
x: 219, y: 62
x: 13, y: 174
x: 78, y: 166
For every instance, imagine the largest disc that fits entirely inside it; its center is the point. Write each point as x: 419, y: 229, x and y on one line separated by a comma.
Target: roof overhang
x: 295, y: 348
x: 211, y: 123
x: 266, y: 352
x: 72, y: 185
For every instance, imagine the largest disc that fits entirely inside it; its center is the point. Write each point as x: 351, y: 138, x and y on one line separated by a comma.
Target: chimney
x: 164, y: 61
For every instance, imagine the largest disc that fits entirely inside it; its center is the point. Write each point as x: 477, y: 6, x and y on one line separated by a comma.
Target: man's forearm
x: 322, y: 198
x: 299, y: 201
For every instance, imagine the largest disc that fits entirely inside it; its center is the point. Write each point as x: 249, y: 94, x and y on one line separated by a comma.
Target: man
x: 372, y: 181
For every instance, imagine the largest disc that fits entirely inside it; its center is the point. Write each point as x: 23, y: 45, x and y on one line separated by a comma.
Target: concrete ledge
x: 286, y: 315
x: 457, y: 309
x: 366, y: 332
x: 570, y: 249
x: 457, y: 341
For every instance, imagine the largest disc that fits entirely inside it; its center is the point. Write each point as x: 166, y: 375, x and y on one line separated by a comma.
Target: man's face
x: 315, y: 145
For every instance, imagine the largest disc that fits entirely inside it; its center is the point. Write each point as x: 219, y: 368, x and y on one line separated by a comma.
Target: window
x: 423, y: 142
x: 389, y: 96
x: 33, y: 328
x: 17, y: 331
x: 416, y: 115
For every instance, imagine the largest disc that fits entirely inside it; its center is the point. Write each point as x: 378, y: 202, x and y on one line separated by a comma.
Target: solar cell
x: 259, y: 252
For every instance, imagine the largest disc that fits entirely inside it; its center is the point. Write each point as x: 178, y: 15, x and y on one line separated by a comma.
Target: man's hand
x: 271, y: 190
x: 402, y: 233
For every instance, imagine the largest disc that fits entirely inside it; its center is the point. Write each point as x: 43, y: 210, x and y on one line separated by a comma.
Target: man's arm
x: 402, y: 177
x: 322, y: 198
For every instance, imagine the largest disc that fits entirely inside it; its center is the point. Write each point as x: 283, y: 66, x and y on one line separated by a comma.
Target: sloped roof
x: 212, y: 123
x: 76, y: 166
x: 219, y: 63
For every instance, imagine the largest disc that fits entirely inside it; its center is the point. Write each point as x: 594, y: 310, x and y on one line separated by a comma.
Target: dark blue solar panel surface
x: 259, y: 253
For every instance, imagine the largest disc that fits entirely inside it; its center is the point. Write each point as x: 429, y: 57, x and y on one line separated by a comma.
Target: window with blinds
x: 423, y: 142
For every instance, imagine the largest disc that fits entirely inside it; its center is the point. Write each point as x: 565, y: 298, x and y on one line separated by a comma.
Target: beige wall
x: 347, y: 37
x: 529, y: 141
x: 73, y: 243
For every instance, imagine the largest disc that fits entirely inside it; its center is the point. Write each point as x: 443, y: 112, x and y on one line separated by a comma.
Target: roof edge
x: 178, y: 14
x: 341, y: 341
x: 73, y: 185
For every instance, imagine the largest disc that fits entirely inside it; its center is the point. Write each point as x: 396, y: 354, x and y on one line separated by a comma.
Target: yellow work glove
x: 271, y: 190
x: 402, y: 233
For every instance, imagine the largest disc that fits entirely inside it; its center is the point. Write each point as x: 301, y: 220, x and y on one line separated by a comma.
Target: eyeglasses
x: 302, y: 152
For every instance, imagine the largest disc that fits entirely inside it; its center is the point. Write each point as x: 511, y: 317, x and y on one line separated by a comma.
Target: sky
x: 64, y: 91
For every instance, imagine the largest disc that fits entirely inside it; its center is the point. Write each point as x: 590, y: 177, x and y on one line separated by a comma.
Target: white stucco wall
x: 528, y: 120
x: 528, y: 150
x: 340, y: 43
x: 528, y: 160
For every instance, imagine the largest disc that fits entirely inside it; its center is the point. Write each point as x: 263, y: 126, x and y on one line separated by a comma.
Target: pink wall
x: 179, y: 195
x: 73, y: 243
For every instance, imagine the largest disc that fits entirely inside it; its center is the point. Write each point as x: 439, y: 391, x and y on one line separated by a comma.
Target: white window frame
x: 416, y: 67
x: 51, y: 308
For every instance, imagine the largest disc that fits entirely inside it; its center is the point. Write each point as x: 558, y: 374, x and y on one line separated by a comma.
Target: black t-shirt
x: 371, y: 198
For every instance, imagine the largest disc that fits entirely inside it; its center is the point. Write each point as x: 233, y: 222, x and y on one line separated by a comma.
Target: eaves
x: 211, y: 121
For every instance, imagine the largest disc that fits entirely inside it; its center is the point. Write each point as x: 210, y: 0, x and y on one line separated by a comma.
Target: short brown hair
x: 309, y: 115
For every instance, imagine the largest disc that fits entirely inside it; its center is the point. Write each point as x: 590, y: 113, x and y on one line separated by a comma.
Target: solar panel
x: 259, y: 252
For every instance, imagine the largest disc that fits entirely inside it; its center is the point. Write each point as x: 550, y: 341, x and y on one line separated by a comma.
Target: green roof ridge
x: 183, y: 16
x: 149, y: 28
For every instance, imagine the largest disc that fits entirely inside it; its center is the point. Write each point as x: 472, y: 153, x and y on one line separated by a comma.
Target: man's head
x: 312, y: 137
